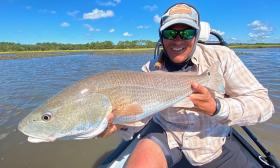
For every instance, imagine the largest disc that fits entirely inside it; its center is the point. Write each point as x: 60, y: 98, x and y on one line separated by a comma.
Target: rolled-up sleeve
x: 247, y: 101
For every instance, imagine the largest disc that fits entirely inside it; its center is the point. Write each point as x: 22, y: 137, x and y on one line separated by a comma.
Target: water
x: 265, y: 65
x: 26, y: 83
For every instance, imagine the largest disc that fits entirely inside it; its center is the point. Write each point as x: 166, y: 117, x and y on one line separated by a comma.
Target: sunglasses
x: 171, y: 34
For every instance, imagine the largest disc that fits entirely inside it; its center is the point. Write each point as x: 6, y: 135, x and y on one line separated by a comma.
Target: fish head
x: 76, y: 116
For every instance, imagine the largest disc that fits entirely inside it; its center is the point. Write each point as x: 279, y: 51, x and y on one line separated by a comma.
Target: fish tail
x: 216, y: 81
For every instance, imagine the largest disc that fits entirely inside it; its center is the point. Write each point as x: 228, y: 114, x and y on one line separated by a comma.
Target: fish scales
x: 146, y: 89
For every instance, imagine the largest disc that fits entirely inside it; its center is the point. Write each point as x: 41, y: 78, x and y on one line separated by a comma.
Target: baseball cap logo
x: 180, y: 14
x: 180, y: 9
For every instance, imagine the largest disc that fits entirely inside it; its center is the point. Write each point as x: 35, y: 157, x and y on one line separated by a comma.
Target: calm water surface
x: 26, y: 83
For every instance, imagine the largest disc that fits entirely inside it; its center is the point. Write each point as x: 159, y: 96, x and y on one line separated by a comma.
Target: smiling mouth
x: 178, y: 49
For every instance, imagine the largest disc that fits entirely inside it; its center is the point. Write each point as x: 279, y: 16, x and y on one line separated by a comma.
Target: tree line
x: 10, y: 46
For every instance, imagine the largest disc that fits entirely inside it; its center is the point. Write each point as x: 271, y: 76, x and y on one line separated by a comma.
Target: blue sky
x: 83, y: 21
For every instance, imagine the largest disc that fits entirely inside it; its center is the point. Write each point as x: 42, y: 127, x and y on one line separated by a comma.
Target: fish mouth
x: 36, y: 139
x: 39, y: 140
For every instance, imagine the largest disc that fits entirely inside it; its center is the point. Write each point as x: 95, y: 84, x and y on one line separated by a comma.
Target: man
x: 201, y: 134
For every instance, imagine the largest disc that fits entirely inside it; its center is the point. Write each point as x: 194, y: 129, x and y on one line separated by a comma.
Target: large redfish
x: 80, y: 111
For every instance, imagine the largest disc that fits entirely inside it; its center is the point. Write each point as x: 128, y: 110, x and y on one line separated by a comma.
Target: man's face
x: 178, y: 50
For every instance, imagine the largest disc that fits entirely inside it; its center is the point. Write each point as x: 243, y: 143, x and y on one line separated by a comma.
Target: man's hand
x: 203, y: 99
x: 111, y: 128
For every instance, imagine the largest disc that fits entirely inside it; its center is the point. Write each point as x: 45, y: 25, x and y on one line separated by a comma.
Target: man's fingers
x: 108, y: 131
x: 198, y: 97
x: 111, y: 128
x: 197, y: 88
x: 110, y: 118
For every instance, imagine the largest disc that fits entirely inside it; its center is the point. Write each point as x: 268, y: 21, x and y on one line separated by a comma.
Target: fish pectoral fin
x: 129, y: 115
x: 95, y: 132
x: 131, y: 109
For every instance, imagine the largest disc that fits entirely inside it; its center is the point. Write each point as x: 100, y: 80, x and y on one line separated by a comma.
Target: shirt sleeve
x: 247, y: 101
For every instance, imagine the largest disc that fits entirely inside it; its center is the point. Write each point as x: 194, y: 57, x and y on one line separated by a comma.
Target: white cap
x: 180, y: 13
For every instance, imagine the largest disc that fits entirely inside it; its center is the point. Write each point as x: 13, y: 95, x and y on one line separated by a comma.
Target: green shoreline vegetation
x: 50, y: 53
x: 256, y: 45
x: 23, y: 51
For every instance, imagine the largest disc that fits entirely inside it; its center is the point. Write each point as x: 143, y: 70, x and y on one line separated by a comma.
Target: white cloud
x: 259, y: 26
x: 157, y: 18
x: 258, y: 36
x: 126, y: 34
x: 259, y: 30
x: 109, y: 3
x: 151, y: 7
x: 97, y: 14
x: 73, y: 13
x: 90, y: 28
x: 112, y: 30
x: 218, y: 31
x: 64, y: 24
x: 142, y: 27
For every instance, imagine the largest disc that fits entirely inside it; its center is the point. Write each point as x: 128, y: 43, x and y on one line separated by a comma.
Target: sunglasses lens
x: 187, y: 34
x: 169, y: 34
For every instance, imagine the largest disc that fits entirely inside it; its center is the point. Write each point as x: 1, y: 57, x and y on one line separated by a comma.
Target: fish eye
x: 46, y: 117
x: 208, y: 73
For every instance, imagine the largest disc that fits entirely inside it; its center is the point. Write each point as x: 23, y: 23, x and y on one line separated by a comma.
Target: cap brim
x: 179, y: 21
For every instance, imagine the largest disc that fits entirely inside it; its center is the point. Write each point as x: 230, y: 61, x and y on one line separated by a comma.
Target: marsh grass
x: 38, y: 54
x: 55, y: 53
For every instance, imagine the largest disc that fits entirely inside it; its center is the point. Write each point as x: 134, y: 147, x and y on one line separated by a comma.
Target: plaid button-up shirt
x: 244, y: 102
